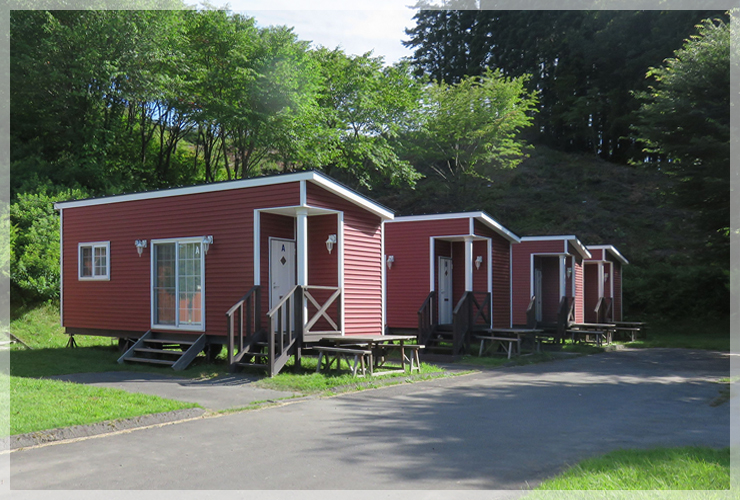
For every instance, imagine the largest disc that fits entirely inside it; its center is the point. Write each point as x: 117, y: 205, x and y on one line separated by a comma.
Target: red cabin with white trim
x: 602, y: 284
x: 446, y: 255
x: 176, y: 260
x: 546, y: 270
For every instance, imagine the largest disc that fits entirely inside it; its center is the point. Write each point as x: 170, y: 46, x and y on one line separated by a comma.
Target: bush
x: 34, y: 245
x: 675, y: 290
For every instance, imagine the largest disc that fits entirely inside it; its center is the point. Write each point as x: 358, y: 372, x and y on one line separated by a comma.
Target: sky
x: 356, y: 27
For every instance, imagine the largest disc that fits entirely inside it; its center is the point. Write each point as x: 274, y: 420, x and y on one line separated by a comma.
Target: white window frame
x: 177, y: 326
x: 93, y: 245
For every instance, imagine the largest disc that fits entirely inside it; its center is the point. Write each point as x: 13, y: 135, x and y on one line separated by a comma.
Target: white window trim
x: 93, y: 245
x: 176, y: 326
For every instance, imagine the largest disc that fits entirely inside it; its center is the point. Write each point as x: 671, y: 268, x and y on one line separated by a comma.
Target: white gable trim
x: 482, y: 216
x: 301, y: 177
x: 612, y: 250
x: 567, y: 237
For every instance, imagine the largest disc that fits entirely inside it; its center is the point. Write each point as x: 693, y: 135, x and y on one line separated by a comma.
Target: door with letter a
x: 282, y: 269
x: 445, y: 290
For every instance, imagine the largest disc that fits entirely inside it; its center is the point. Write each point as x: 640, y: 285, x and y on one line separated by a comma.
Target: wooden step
x: 158, y: 351
x: 151, y: 360
x: 173, y: 342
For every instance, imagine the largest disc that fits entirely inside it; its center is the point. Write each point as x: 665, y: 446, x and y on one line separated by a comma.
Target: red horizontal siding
x: 123, y: 303
x: 590, y: 291
x: 521, y: 273
x: 363, y: 261
x: 501, y: 273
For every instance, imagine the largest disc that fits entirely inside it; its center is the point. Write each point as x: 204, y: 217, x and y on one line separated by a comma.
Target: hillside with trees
x: 610, y: 125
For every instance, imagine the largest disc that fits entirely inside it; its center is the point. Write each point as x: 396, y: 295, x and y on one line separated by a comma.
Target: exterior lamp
x: 330, y: 242
x: 207, y: 242
x: 389, y: 261
x: 606, y: 277
x: 140, y: 246
x: 478, y: 261
x: 569, y: 272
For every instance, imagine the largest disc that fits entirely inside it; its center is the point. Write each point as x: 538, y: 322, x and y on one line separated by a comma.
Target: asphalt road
x: 498, y: 430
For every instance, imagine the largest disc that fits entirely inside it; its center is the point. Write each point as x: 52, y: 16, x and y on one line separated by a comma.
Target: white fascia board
x: 566, y: 237
x: 612, y: 250
x: 204, y: 188
x: 350, y: 195
x: 482, y: 216
x: 322, y: 180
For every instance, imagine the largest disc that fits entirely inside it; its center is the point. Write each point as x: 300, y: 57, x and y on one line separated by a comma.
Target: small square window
x: 94, y: 263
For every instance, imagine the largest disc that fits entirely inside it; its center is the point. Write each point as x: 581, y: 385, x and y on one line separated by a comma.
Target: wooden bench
x: 631, y: 331
x: 337, y: 353
x: 510, y: 340
x: 412, y: 359
x: 599, y: 334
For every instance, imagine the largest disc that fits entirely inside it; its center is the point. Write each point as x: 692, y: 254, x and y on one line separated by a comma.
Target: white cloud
x: 356, y: 31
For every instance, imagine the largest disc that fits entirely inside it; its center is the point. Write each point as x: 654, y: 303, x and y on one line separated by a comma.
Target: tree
x: 583, y: 64
x: 471, y: 128
x: 362, y: 108
x: 685, y: 123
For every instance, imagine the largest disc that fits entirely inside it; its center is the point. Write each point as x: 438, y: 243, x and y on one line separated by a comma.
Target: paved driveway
x: 501, y: 429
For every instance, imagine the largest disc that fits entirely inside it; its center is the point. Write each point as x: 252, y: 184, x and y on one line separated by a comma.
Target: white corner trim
x: 256, y: 248
x: 340, y: 265
x: 302, y: 195
x: 431, y: 264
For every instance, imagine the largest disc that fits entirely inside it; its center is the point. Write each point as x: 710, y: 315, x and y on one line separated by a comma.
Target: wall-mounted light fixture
x: 569, y: 272
x: 606, y: 277
x: 389, y: 261
x: 478, y: 261
x: 207, y: 242
x: 140, y: 246
x: 330, y: 242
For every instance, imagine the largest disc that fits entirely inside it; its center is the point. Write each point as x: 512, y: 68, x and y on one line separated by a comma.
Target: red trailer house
x: 262, y: 265
x: 547, y: 289
x: 447, y: 273
x: 602, y: 284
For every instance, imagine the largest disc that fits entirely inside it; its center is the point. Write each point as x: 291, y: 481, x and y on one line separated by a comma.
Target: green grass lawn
x: 688, y: 468
x: 712, y: 335
x: 39, y: 404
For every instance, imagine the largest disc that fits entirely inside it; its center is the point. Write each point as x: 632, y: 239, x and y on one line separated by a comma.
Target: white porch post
x: 468, y: 264
x: 302, y: 254
x: 562, y: 276
x: 302, y: 246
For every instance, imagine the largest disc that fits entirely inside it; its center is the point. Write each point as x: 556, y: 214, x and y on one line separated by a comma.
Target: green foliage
x: 34, y: 256
x: 471, y: 128
x: 685, y: 122
x: 585, y: 64
x: 40, y: 404
x: 687, y: 468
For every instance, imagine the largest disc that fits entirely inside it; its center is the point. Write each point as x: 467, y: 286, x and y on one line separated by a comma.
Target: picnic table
x: 632, y: 328
x: 513, y: 336
x: 374, y: 349
x: 599, y: 330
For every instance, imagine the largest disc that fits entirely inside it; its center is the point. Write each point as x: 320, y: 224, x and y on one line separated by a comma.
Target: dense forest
x: 613, y: 125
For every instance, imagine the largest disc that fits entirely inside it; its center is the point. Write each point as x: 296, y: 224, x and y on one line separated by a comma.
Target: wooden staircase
x: 472, y: 313
x: 163, y: 349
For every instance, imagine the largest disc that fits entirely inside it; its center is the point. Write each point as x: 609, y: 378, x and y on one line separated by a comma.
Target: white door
x: 445, y: 290
x: 538, y: 294
x: 282, y: 269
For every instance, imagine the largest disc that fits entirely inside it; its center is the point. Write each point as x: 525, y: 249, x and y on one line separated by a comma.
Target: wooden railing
x: 244, y: 324
x: 532, y: 313
x: 468, y: 313
x: 426, y: 319
x: 322, y: 310
x: 286, y: 330
x: 566, y: 316
x: 598, y: 310
x: 609, y: 311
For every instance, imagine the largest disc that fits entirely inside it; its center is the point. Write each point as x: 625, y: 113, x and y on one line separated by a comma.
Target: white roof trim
x: 482, y: 216
x: 322, y: 180
x: 567, y: 237
x: 610, y: 248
